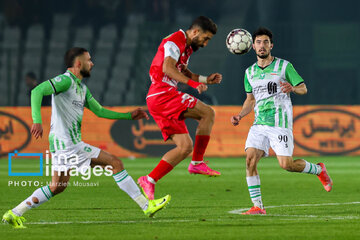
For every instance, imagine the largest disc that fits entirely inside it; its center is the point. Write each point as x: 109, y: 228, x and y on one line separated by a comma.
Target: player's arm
x: 294, y: 82
x: 102, y: 112
x: 247, y: 107
x: 171, y: 57
x: 214, y: 78
x: 44, y: 89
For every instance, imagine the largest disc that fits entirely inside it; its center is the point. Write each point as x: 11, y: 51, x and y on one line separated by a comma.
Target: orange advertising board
x: 318, y: 130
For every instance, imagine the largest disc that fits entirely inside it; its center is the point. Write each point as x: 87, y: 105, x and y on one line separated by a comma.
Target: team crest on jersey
x: 57, y: 79
x: 262, y: 76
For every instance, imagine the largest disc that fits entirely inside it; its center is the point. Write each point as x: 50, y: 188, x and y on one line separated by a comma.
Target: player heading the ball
x: 170, y: 107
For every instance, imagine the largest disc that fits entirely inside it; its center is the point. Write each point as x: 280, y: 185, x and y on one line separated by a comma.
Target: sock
x: 43, y: 194
x: 201, y: 142
x: 254, y: 190
x: 160, y: 170
x: 195, y: 162
x: 127, y: 184
x: 150, y: 180
x: 312, y: 168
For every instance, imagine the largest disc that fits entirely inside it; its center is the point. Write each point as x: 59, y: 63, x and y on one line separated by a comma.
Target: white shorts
x: 263, y: 137
x: 74, y: 156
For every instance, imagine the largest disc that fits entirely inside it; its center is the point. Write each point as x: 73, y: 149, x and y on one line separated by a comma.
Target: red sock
x: 160, y: 170
x: 201, y: 142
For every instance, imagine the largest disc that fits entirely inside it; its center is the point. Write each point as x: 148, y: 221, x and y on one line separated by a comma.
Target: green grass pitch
x: 297, y: 205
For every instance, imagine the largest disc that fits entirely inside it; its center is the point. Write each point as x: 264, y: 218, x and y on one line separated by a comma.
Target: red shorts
x: 167, y: 110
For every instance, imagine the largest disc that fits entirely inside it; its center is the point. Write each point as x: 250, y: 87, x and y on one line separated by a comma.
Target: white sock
x: 312, y: 168
x: 150, y: 179
x: 42, y: 194
x: 195, y: 162
x: 127, y: 184
x: 254, y: 190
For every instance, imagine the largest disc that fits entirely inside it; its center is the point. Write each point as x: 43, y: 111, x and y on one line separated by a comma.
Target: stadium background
x: 320, y: 38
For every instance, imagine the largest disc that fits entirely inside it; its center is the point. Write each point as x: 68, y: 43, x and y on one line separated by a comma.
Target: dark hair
x: 262, y: 31
x: 71, y: 54
x: 31, y: 75
x: 205, y: 23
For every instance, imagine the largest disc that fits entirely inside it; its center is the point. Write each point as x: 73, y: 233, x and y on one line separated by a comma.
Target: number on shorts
x: 283, y: 138
x: 187, y: 97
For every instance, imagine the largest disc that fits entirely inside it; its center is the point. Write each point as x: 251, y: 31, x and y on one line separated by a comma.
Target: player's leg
x: 282, y: 142
x: 172, y: 158
x: 303, y: 166
x: 41, y: 195
x: 256, y: 146
x: 206, y: 117
x: 127, y: 184
x: 253, y: 157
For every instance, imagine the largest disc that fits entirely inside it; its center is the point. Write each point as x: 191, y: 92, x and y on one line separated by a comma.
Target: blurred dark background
x: 320, y: 38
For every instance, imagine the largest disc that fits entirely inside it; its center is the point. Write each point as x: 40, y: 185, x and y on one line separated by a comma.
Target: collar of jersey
x: 73, y: 76
x: 267, y: 65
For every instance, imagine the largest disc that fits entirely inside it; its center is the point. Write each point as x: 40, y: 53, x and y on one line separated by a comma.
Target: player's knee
x: 250, y: 162
x: 210, y: 114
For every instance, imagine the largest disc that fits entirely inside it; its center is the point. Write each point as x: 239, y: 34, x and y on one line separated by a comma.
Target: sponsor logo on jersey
x: 14, y: 133
x: 328, y: 131
x: 78, y: 104
x: 272, y: 87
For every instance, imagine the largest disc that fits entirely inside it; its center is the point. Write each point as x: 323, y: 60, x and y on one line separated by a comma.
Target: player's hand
x: 286, y: 87
x: 214, y: 78
x: 235, y: 120
x: 201, y: 88
x: 37, y: 130
x: 139, y: 114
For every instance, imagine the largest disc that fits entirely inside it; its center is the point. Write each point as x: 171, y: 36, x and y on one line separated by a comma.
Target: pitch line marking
x: 241, y: 210
x: 236, y: 211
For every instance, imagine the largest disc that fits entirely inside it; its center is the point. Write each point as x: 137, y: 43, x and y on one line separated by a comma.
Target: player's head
x: 77, y: 57
x: 201, y: 31
x: 263, y: 42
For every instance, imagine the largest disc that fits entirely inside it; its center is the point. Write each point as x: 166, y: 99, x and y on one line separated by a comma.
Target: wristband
x: 202, y: 79
x: 193, y: 84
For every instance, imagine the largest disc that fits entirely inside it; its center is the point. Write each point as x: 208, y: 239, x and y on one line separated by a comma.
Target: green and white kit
x: 69, y: 97
x: 273, y: 108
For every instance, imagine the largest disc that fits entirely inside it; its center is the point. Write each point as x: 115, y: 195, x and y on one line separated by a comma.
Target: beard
x: 195, y: 45
x: 85, y: 73
x: 263, y: 56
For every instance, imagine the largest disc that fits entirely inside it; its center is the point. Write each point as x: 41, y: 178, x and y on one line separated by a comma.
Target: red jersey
x: 174, y: 46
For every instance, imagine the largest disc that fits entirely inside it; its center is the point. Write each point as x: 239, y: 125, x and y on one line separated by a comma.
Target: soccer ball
x: 239, y: 41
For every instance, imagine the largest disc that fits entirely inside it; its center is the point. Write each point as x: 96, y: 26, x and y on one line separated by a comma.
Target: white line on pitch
x: 241, y: 210
x: 102, y: 222
x: 127, y: 221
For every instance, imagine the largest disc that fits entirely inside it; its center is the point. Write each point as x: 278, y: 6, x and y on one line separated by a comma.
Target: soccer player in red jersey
x: 170, y: 107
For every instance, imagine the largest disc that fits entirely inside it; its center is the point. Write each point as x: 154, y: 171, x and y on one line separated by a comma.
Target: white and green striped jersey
x: 272, y: 107
x: 68, y: 103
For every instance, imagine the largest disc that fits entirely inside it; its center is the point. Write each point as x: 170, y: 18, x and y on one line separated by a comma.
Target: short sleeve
x: 172, y: 50
x: 60, y: 83
x: 248, y: 87
x: 292, y: 76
